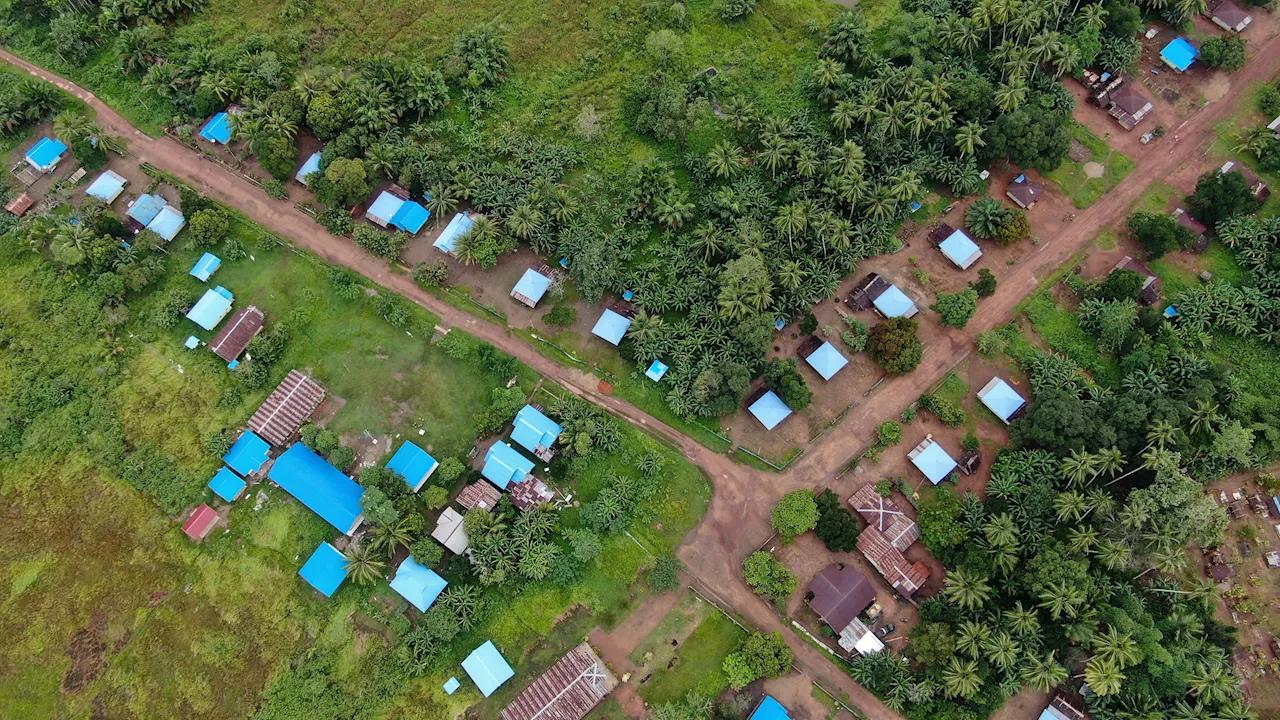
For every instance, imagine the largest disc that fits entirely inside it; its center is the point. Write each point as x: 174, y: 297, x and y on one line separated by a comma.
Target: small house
x: 930, y: 459
x: 885, y: 516
x: 1128, y: 106
x: 569, y: 690
x: 656, y: 370
x: 1196, y: 227
x: 769, y: 410
x: 418, y: 584
x: 450, y: 532
x: 611, y: 327
x: 904, y: 576
x: 312, y: 481
x: 1060, y: 709
x: 200, y: 523
x: 1024, y: 193
x: 311, y: 166
x: 218, y: 129
x: 530, y: 493
x: 211, y: 308
x: 894, y: 303
x: 20, y: 205
x: 236, y: 335
x: 325, y: 569
x: 504, y: 465
x: 393, y: 208
x: 460, y: 225
x: 770, y: 709
x: 1179, y: 54
x: 857, y: 638
x: 205, y: 267
x: 107, y: 186
x: 167, y: 223
x: 960, y: 249
x: 145, y: 209
x: 1100, y: 85
x: 248, y: 454
x: 1229, y: 16
x: 226, y: 485
x: 286, y: 408
x: 481, y: 494
x: 839, y: 594
x: 1001, y: 399
x: 45, y: 155
x: 533, y: 285
x: 414, y: 465
x: 487, y: 668
x: 1151, y: 284
x: 536, y: 432
x: 826, y: 360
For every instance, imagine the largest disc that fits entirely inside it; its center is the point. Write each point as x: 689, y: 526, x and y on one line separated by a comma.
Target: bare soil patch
x: 88, y: 655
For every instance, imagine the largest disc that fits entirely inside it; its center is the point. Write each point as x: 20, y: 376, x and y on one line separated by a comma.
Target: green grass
x: 610, y: 709
x: 1217, y: 259
x: 1070, y: 176
x: 1063, y: 333
x: 1105, y: 240
x: 690, y: 609
x: 1157, y: 197
x: 701, y: 663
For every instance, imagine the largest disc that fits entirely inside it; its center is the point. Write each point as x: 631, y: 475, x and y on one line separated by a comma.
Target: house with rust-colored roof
x: 286, y: 408
x: 839, y: 595
x: 904, y: 576
x: 481, y: 494
x: 1024, y: 192
x: 1230, y: 16
x: 236, y: 335
x: 1201, y: 232
x: 885, y: 516
x: 1150, y: 283
x: 1128, y: 106
x: 568, y: 690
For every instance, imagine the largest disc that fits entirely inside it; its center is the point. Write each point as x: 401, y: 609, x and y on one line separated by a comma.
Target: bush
x: 1120, y: 285
x: 808, y: 324
x: 856, y: 336
x: 426, y: 552
x: 208, y: 227
x: 503, y: 405
x: 1226, y: 53
x: 837, y: 529
x: 435, y: 497
x: 783, y: 378
x: 889, y: 432
x: 986, y: 285
x: 970, y: 442
x: 761, y: 656
x: 1014, y: 226
x: 768, y: 577
x: 378, y: 508
x: 1219, y: 196
x: 1160, y: 233
x: 985, y: 217
x: 884, y: 487
x: 217, y: 444
x: 956, y: 309
x: 895, y: 346
x: 450, y: 469
x: 431, y: 275
x: 665, y: 575
x: 379, y: 242
x: 562, y: 315
x: 341, y: 457
x: 908, y: 415
x: 795, y: 513
x: 275, y: 189
x: 949, y: 413
x: 734, y: 9
x: 336, y: 220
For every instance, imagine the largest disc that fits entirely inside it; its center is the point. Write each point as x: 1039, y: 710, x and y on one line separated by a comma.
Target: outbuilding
x: 960, y: 249
x: 892, y: 303
x: 450, y: 531
x: 325, y: 569
x: 611, y: 327
x: 414, y: 463
x: 205, y: 267
x: 236, y: 335
x: 1023, y: 192
x: 769, y: 410
x: 1229, y: 16
x: 656, y: 370
x: 248, y: 454
x: 770, y: 709
x: 226, y: 485
x: 107, y: 186
x: 167, y: 223
x: 310, y: 167
x: 826, y: 360
x: 45, y: 155
x: 930, y: 459
x: 1001, y: 399
x: 418, y: 584
x: 212, y: 307
x: 487, y: 668
x: 569, y: 690
x: 460, y: 225
x: 391, y: 210
x: 1179, y: 54
x: 481, y: 494
x: 320, y: 486
x: 286, y: 408
x: 145, y: 209
x: 532, y: 286
x: 200, y: 523
x: 218, y: 129
x: 536, y: 432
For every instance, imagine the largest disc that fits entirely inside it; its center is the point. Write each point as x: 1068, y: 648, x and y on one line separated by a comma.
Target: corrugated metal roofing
x: 532, y: 286
x: 1001, y: 399
x: 286, y: 408
x: 200, y: 522
x: 325, y: 569
x: 487, y: 668
x: 248, y: 454
x: 503, y: 465
x: 904, y: 576
x: 320, y: 486
x: 568, y: 690
x: 218, y: 129
x: 226, y: 485
x: 611, y: 327
x: 769, y: 410
x: 534, y: 430
x: 840, y: 594
x: 236, y: 335
x: 107, y: 187
x: 826, y: 360
x: 481, y: 494
x: 209, y: 311
x: 414, y: 463
x: 418, y: 584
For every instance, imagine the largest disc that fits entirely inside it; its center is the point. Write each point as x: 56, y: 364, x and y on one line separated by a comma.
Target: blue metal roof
x: 325, y: 569
x: 384, y: 208
x: 45, y: 154
x: 504, y: 465
x: 107, y: 187
x: 934, y: 462
x: 1179, y: 54
x: 248, y: 454
x: 218, y: 129
x: 779, y: 323
x: 226, y: 485
x: 1171, y: 312
x: 1001, y: 399
x: 894, y: 303
x: 826, y: 360
x: 534, y: 430
x: 460, y: 225
x: 611, y: 327
x: 414, y: 464
x: 167, y: 223
x: 960, y: 249
x: 410, y: 217
x: 770, y: 709
x: 320, y: 486
x: 487, y: 668
x: 418, y: 584
x: 656, y: 370
x: 451, y: 686
x: 146, y: 208
x: 210, y: 310
x: 192, y: 342
x: 769, y: 410
x: 532, y: 285
x: 312, y: 165
x: 205, y: 267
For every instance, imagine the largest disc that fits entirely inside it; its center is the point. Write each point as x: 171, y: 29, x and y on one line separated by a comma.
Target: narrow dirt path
x: 737, y: 521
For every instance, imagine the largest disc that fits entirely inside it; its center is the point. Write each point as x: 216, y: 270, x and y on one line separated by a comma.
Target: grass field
x: 1072, y: 178
x: 1063, y: 333
x: 700, y: 660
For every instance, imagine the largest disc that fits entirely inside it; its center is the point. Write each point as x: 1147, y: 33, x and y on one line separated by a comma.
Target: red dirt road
x: 737, y: 521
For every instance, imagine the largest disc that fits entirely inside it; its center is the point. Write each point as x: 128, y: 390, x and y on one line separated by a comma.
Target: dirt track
x: 738, y: 519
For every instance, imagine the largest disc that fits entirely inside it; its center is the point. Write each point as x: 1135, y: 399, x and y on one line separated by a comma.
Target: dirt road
x: 738, y: 519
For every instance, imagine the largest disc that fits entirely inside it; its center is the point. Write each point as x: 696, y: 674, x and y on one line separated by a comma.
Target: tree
x: 1226, y: 53
x: 836, y: 528
x: 1220, y: 196
x: 1159, y: 233
x: 1120, y: 285
x: 931, y: 645
x: 378, y: 508
x: 984, y: 217
x: 450, y: 469
x: 435, y: 497
x: 426, y: 552
x: 783, y: 377
x: 1030, y: 138
x: 768, y: 577
x: 361, y: 565
x: 761, y: 656
x: 986, y: 285
x: 1013, y: 227
x: 967, y: 590
x: 346, y: 182
x: 665, y: 575
x: 895, y: 346
x: 795, y: 513
x: 961, y: 678
x: 208, y: 227
x: 889, y: 432
x: 956, y: 309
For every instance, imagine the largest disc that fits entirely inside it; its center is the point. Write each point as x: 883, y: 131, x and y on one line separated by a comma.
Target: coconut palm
x: 970, y: 636
x: 843, y: 116
x: 441, y: 200
x: 1212, y: 683
x: 1010, y: 96
x: 1103, y: 676
x: 969, y: 138
x: 1070, y: 506
x: 1002, y: 650
x: 362, y: 568
x: 848, y: 159
x: 1093, y: 16
x: 646, y: 327
x: 1117, y: 647
x: 673, y: 210
x: 967, y: 589
x: 1113, y: 554
x: 1080, y: 465
x: 384, y: 539
x: 725, y: 160
x: 1204, y: 415
x: 1024, y: 622
x: 1061, y: 600
x: 524, y: 221
x: 1043, y: 673
x: 70, y: 126
x: 1082, y: 539
x: 960, y: 678
x: 1000, y: 530
x: 774, y: 154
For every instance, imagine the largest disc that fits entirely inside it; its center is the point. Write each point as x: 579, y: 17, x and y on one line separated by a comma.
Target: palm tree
x: 1255, y: 140
x: 1002, y: 650
x: 361, y: 566
x: 725, y: 160
x: 1204, y: 416
x: 849, y: 159
x: 524, y: 221
x: 441, y: 200
x: 707, y: 239
x: 960, y: 678
x: 827, y: 73
x: 969, y: 138
x: 1117, y: 647
x: 1080, y: 465
x: 1103, y: 676
x: 791, y: 219
x: 970, y: 636
x: 1043, y: 673
x: 646, y: 327
x: 906, y: 185
x: 774, y: 154
x: 1010, y: 96
x: 1061, y: 600
x: 384, y: 539
x: 1212, y: 683
x: 673, y: 211
x: 1070, y: 506
x: 1082, y: 539
x: 843, y: 116
x: 1093, y: 16
x: 1001, y: 530
x: 967, y: 590
x: 1110, y: 461
x: 1025, y: 622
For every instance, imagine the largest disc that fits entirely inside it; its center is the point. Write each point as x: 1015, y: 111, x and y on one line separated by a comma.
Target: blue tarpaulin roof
x: 1179, y: 54
x: 533, y: 285
x: 312, y: 165
x: 960, y: 249
x: 414, y: 464
x: 46, y: 153
x: 418, y: 584
x: 1171, y: 312
x: 226, y: 485
x: 487, y: 668
x: 460, y: 225
x: 248, y: 455
x: 320, y: 486
x: 770, y: 410
x: 611, y: 327
x: 384, y: 208
x: 534, y: 430
x: 1001, y: 399
x: 107, y: 186
x: 504, y: 465
x: 146, y: 208
x: 205, y: 267
x: 656, y: 370
x: 934, y: 462
x: 325, y: 569
x: 451, y: 686
x: 894, y: 303
x: 218, y: 129
x: 770, y: 709
x: 410, y: 217
x: 211, y: 309
x: 192, y: 342
x: 168, y: 223
x: 826, y: 360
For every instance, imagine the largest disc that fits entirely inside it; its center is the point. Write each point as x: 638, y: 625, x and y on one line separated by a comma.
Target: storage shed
x: 212, y: 307
x: 226, y: 485
x: 414, y: 463
x: 769, y: 410
x: 325, y: 569
x: 248, y: 454
x: 611, y: 327
x: 418, y: 584
x: 487, y: 668
x: 107, y: 186
x: 569, y: 690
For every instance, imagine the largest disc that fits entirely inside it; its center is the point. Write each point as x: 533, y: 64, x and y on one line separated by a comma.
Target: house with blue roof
x: 414, y: 464
x: 504, y: 465
x: 107, y: 186
x: 460, y: 225
x: 167, y: 223
x: 212, y: 307
x: 536, y: 432
x: 487, y: 668
x: 312, y: 481
x: 769, y: 410
x: 894, y: 303
x: 532, y: 286
x: 325, y: 569
x: 656, y: 370
x: 226, y: 485
x: 826, y: 360
x: 205, y: 267
x: 1001, y: 399
x: 930, y: 459
x: 1179, y: 54
x: 218, y: 129
x: 418, y: 584
x: 46, y: 154
x: 390, y: 210
x: 145, y: 209
x: 770, y: 709
x: 960, y: 249
x: 611, y: 327
x: 312, y: 165
x: 248, y: 454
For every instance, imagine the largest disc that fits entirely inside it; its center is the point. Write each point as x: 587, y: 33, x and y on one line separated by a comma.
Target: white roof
x: 450, y: 533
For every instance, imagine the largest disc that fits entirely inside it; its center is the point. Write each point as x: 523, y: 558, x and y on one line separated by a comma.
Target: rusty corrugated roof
x: 286, y: 408
x: 568, y: 690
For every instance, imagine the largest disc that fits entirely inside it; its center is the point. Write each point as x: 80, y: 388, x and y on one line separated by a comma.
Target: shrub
x: 1120, y: 285
x: 985, y: 217
x: 450, y: 469
x: 949, y: 413
x: 795, y: 513
x: 1227, y: 53
x: 760, y: 656
x: 1219, y: 196
x: 562, y: 315
x: 208, y: 227
x: 435, y: 497
x: 986, y: 285
x: 837, y: 529
x: 908, y: 415
x: 734, y: 9
x: 783, y: 378
x: 884, y: 487
x: 341, y: 457
x: 503, y: 405
x: 426, y: 551
x: 275, y: 189
x: 956, y: 309
x: 380, y: 243
x: 970, y: 442
x: 1160, y: 233
x: 856, y: 336
x: 808, y: 324
x: 665, y: 575
x: 1014, y: 226
x: 889, y: 432
x: 431, y: 275
x: 895, y: 346
x: 336, y: 220
x: 768, y: 577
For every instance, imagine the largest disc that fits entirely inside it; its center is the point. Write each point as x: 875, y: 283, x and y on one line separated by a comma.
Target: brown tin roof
x: 237, y: 333
x: 286, y: 408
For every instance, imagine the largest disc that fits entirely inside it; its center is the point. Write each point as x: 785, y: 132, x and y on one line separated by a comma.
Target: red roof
x: 286, y: 408
x: 200, y: 522
x: 237, y: 333
x: 904, y: 576
x: 20, y: 204
x: 840, y: 594
x: 481, y: 493
x: 568, y: 690
x: 530, y: 492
